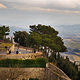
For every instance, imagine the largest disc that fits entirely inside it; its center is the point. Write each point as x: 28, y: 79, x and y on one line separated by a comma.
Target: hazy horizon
x: 49, y: 12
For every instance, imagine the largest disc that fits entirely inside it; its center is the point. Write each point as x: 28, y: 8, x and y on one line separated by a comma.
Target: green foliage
x: 41, y: 61
x: 3, y: 32
x: 47, y: 37
x: 43, y: 29
x: 52, y: 58
x: 79, y: 75
x: 36, y: 39
x: 23, y: 79
x: 33, y: 79
x: 38, y: 62
x: 68, y: 67
x: 41, y: 36
x: 21, y: 37
x: 36, y: 79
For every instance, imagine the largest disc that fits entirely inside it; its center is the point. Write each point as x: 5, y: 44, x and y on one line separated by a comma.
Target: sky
x: 50, y: 12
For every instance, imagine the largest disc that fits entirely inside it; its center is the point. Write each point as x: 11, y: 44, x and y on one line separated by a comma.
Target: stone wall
x: 54, y: 73
x: 20, y: 73
x: 51, y: 72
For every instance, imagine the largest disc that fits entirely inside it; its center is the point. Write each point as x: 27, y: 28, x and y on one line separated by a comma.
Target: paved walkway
x: 21, y: 51
x: 21, y: 56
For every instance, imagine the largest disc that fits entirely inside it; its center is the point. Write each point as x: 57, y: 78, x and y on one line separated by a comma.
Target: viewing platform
x: 21, y: 56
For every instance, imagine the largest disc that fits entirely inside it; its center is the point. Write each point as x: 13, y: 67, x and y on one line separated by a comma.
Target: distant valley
x: 71, y: 38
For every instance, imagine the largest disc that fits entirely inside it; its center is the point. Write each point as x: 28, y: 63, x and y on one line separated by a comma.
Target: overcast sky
x: 50, y: 12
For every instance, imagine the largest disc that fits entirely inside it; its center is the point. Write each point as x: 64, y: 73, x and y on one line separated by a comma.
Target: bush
x: 33, y: 79
x: 39, y: 62
x: 52, y: 59
x: 36, y: 79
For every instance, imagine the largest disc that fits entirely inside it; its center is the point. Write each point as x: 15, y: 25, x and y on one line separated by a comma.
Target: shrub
x: 39, y: 62
x: 33, y: 79
x: 36, y: 79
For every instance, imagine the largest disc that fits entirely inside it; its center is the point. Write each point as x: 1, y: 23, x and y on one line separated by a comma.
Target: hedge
x: 33, y: 79
x: 15, y: 63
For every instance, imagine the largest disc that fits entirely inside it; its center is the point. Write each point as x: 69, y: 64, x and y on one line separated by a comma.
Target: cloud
x: 53, y: 3
x: 2, y: 6
x: 65, y: 3
x: 43, y: 9
x: 62, y: 6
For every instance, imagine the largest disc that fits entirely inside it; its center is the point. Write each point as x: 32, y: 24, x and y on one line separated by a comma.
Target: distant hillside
x: 71, y: 37
x: 72, y: 43
x: 68, y: 31
x: 14, y: 28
